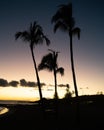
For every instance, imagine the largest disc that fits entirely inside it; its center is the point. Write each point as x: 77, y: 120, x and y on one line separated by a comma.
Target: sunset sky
x: 15, y: 57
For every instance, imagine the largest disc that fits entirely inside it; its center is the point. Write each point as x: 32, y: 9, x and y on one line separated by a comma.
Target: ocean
x: 4, y: 105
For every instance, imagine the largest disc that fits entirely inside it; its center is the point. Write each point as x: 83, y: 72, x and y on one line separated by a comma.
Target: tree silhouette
x: 49, y: 62
x: 34, y: 35
x: 64, y: 20
x: 68, y: 93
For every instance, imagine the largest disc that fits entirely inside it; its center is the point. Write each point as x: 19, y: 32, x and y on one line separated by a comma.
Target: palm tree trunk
x: 56, y: 95
x: 72, y: 65
x: 75, y: 84
x: 38, y: 80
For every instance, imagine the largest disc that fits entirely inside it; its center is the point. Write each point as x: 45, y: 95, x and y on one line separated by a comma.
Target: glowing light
x: 18, y: 93
x: 28, y: 93
x: 3, y: 110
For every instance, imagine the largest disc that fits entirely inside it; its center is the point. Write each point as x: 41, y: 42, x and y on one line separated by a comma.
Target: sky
x: 15, y: 57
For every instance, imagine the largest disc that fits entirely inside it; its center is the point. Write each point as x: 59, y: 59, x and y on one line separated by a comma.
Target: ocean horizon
x: 5, y: 104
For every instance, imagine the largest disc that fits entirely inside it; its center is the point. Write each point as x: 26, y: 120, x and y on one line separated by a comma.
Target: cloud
x: 31, y: 84
x: 43, y: 84
x: 3, y: 82
x: 34, y: 84
x: 23, y: 82
x: 63, y: 85
x: 13, y: 83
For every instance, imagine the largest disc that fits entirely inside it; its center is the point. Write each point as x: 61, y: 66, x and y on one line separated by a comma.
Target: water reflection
x: 3, y: 110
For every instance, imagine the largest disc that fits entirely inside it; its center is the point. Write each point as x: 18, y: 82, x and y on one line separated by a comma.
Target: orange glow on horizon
x: 18, y: 93
x: 28, y: 93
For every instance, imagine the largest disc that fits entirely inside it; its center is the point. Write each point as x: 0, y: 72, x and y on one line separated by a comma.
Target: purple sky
x: 15, y: 56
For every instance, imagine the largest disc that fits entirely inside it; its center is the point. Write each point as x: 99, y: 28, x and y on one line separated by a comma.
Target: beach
x: 31, y: 116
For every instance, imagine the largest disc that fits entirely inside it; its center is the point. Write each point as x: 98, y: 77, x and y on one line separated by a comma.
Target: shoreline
x: 31, y: 116
x: 3, y: 110
x: 9, y: 107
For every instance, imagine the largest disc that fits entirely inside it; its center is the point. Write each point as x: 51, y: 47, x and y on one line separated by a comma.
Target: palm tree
x: 49, y: 62
x: 34, y: 35
x: 64, y: 20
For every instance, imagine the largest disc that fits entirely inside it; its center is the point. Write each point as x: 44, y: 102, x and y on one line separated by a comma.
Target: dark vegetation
x: 61, y: 116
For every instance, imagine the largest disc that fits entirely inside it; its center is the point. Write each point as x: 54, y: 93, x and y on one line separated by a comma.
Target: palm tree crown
x: 64, y: 20
x: 49, y: 62
x: 34, y: 35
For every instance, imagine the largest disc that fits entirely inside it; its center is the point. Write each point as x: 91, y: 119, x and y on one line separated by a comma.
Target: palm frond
x: 56, y: 17
x: 63, y: 18
x: 17, y: 35
x: 66, y: 10
x: 38, y: 36
x: 47, y: 40
x: 76, y: 31
x: 38, y: 27
x: 46, y: 62
x: 34, y: 35
x: 34, y: 27
x: 34, y: 24
x: 60, y: 25
x: 42, y: 66
x: 23, y: 35
x: 60, y: 70
x: 47, y: 58
x: 31, y: 27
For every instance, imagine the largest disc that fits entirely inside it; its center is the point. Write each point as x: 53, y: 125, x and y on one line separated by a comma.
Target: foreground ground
x: 91, y: 115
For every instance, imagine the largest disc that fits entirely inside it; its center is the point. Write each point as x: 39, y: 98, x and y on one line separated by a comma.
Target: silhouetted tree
x: 68, y: 93
x: 64, y: 20
x: 49, y: 62
x: 34, y: 35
